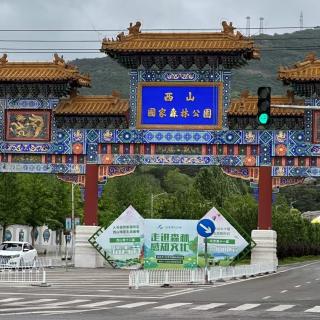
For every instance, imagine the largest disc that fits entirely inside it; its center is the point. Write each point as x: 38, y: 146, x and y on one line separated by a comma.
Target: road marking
x: 65, y: 303
x: 284, y: 291
x: 135, y: 305
x: 181, y: 293
x: 317, y: 279
x: 314, y: 309
x: 55, y: 312
x: 83, y: 295
x: 208, y: 306
x: 281, y: 307
x: 267, y: 297
x: 27, y: 308
x: 173, y: 305
x: 308, y: 282
x: 298, y: 286
x: 10, y: 300
x: 21, y: 303
x: 98, y: 304
x: 246, y: 306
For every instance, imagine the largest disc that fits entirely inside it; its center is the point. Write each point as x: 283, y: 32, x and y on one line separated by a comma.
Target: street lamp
x: 153, y: 196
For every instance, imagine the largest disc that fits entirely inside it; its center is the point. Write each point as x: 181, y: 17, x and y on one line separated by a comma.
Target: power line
x: 98, y: 51
x: 285, y: 38
x: 49, y: 49
x: 256, y: 38
x: 48, y: 41
x: 150, y: 29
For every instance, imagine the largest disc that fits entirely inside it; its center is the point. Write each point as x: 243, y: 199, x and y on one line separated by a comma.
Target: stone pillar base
x: 85, y: 255
x: 265, y: 251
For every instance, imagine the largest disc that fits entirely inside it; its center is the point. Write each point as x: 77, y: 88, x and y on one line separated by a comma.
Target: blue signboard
x: 206, y: 228
x: 163, y: 105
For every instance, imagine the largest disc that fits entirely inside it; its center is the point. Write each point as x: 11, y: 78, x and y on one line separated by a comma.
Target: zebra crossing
x: 23, y: 306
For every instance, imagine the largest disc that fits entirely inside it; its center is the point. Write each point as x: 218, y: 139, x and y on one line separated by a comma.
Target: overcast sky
x: 117, y: 14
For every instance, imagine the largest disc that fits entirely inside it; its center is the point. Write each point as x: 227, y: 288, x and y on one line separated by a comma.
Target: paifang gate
x: 179, y: 113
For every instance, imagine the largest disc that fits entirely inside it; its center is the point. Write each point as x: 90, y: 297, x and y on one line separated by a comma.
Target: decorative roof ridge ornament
x: 309, y: 59
x: 3, y: 59
x: 120, y: 36
x: 290, y: 96
x: 229, y: 29
x: 115, y: 93
x: 311, y: 56
x: 134, y: 29
x: 58, y: 60
x: 244, y: 94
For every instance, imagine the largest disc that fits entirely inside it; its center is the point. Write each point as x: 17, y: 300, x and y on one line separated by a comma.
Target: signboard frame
x: 197, y: 84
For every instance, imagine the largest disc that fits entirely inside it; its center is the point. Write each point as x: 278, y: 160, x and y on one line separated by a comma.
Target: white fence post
x: 137, y: 280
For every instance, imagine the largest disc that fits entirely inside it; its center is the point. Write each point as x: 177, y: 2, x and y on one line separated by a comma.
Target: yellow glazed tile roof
x: 57, y: 70
x: 226, y: 41
x: 93, y: 105
x: 307, y: 70
x: 246, y: 105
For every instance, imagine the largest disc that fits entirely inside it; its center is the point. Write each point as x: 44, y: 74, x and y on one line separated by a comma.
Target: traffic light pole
x: 265, y: 199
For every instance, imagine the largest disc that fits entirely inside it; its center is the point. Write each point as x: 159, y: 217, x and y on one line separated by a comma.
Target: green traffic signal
x: 263, y: 118
x: 264, y: 106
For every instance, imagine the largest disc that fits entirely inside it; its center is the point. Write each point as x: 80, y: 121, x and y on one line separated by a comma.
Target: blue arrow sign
x: 205, y: 228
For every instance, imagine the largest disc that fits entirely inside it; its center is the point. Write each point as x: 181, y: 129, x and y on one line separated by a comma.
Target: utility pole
x: 301, y: 20
x: 248, y: 26
x: 261, y: 25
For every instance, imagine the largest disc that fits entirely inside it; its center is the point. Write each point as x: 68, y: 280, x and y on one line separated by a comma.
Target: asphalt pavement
x: 291, y: 293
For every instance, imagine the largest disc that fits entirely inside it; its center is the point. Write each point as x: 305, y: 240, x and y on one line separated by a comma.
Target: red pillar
x: 265, y: 199
x: 91, y: 195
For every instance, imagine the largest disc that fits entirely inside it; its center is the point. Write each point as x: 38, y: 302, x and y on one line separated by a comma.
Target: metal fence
x: 24, y: 274
x: 33, y: 274
x: 140, y: 278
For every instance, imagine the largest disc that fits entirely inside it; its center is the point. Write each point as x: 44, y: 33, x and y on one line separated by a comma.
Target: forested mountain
x: 276, y: 50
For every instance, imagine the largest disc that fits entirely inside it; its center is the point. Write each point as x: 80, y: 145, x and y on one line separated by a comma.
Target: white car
x: 14, y: 254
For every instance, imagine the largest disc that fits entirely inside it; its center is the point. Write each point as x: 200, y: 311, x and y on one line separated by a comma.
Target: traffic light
x: 264, y: 105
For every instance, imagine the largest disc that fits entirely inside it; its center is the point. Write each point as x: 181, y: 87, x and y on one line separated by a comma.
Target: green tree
x: 10, y: 200
x: 37, y: 200
x: 244, y: 210
x: 120, y: 192
x: 215, y: 186
x: 176, y: 181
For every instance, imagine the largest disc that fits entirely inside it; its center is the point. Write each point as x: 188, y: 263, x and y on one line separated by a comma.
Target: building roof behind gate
x: 306, y: 70
x: 246, y: 105
x: 93, y: 105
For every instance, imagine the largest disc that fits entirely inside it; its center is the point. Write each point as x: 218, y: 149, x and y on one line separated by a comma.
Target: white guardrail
x: 34, y: 274
x: 140, y: 278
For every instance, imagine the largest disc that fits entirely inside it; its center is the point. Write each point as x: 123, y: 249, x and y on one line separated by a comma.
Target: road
x: 292, y: 293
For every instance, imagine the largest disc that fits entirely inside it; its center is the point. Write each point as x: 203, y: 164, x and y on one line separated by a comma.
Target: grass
x: 284, y: 261
x: 291, y: 260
